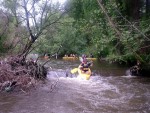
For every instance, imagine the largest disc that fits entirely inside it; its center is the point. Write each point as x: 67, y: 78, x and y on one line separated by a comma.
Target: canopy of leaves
x: 86, y: 29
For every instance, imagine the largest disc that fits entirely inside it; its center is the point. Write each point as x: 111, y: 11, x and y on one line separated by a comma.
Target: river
x: 109, y: 90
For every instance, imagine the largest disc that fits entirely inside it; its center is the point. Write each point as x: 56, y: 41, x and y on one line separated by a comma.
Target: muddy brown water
x: 109, y: 90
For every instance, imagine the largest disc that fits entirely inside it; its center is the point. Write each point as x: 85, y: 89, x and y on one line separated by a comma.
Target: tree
x: 35, y: 19
x: 37, y: 15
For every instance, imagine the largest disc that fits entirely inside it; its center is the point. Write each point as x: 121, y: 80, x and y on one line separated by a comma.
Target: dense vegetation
x: 117, y: 30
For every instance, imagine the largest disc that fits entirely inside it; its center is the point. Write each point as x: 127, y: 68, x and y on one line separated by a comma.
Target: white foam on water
x: 128, y: 76
x: 98, y: 94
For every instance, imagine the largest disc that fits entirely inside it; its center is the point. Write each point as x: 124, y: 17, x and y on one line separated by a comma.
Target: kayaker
x: 85, y: 64
x: 66, y: 55
x: 91, y: 55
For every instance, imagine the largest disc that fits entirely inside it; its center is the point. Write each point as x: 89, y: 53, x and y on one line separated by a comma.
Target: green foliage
x: 85, y: 30
x: 2, y: 48
x: 100, y: 38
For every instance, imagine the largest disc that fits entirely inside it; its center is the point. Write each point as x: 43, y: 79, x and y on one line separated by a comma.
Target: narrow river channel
x: 109, y: 90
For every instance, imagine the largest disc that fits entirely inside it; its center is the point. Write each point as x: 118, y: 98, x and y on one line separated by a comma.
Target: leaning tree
x: 36, y: 18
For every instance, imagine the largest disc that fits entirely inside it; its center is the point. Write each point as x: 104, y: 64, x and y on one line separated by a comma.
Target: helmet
x: 83, y: 56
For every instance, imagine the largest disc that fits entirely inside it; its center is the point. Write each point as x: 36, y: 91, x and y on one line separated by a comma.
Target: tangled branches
x: 15, y: 71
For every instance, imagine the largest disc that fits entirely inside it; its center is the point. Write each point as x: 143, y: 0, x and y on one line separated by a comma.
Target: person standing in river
x: 136, y: 69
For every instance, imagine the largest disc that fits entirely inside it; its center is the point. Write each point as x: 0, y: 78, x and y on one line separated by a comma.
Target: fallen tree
x: 23, y: 73
x: 37, y: 18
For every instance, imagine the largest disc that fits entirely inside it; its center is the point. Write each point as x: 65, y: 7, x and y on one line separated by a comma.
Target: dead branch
x: 25, y: 73
x: 109, y: 19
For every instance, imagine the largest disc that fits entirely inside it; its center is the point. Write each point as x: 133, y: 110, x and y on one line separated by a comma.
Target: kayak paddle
x: 74, y: 70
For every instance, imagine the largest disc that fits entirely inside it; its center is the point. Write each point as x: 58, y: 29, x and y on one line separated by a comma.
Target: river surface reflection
x: 109, y: 90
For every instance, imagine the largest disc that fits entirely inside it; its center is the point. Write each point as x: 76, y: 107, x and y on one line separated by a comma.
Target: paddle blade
x: 74, y: 70
x: 81, y: 59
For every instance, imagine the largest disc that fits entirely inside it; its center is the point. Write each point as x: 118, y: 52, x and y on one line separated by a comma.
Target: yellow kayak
x: 91, y: 58
x: 70, y: 58
x: 84, y: 75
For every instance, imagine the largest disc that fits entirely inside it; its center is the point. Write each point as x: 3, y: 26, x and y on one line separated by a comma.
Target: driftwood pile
x: 17, y: 73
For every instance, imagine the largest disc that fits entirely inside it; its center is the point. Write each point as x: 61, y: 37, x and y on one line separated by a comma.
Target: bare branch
x: 27, y: 20
x: 132, y: 25
x: 109, y: 19
x: 49, y: 24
